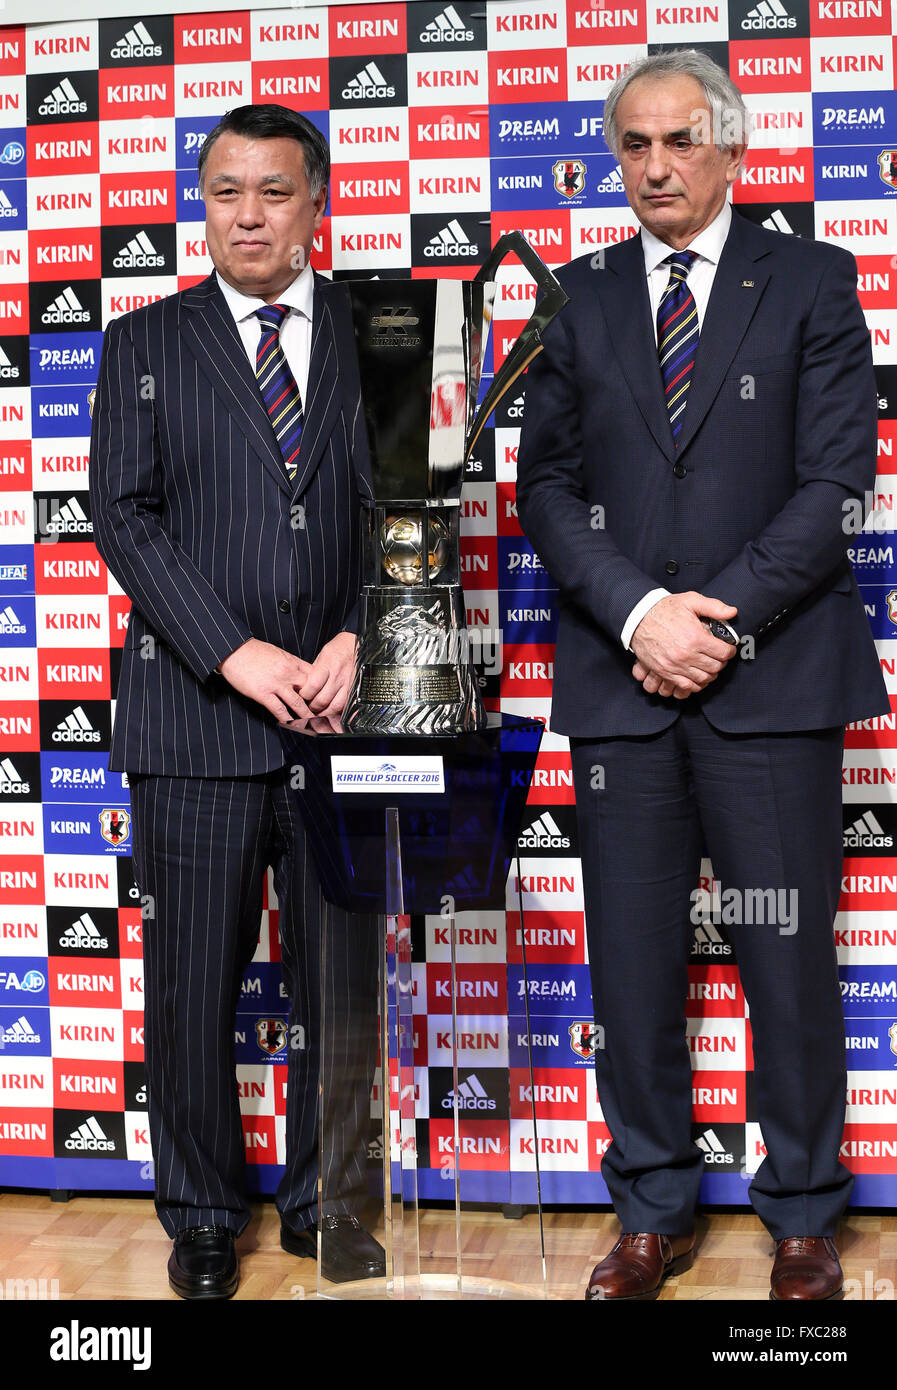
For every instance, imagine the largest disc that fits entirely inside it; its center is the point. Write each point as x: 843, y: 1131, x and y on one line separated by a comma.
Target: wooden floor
x: 114, y: 1248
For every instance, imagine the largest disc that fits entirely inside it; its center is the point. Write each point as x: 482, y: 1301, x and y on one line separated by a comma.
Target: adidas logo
x: 84, y: 935
x: 544, y: 833
x: 712, y: 1149
x: 465, y: 882
x: 10, y: 622
x: 470, y: 1095
x: 769, y: 14
x: 709, y: 942
x: 11, y: 783
x: 375, y: 1148
x: 137, y: 43
x: 6, y: 367
x: 75, y: 728
x: 66, y: 308
x: 368, y: 85
x: 447, y: 27
x: 778, y: 222
x: 866, y: 833
x: 613, y: 183
x: 6, y: 207
x: 451, y: 241
x: 138, y: 254
x: 70, y: 519
x: 62, y: 101
x: 90, y: 1136
x: 515, y: 409
x: 20, y: 1032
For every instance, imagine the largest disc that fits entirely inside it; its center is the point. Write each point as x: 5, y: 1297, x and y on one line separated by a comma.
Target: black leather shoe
x: 347, y: 1250
x: 203, y: 1263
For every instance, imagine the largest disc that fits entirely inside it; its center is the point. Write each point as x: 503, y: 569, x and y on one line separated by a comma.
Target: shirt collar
x: 298, y: 296
x: 708, y: 244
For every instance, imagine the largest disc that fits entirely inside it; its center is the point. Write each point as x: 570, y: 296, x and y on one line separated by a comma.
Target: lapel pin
x: 747, y: 284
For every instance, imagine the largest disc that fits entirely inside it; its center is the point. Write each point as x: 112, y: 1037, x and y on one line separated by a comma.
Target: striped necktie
x: 278, y: 385
x: 677, y: 336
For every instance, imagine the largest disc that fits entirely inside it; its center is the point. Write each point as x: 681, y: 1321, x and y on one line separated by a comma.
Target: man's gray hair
x: 729, y: 114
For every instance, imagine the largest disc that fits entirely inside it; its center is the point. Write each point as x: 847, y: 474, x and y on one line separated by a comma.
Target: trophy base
x: 421, y: 719
x: 413, y: 674
x: 424, y: 700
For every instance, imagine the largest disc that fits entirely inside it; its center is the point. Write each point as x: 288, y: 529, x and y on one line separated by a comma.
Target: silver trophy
x: 420, y: 356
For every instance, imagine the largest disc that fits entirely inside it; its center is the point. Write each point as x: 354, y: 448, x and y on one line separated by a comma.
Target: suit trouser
x: 201, y: 850
x: 768, y: 808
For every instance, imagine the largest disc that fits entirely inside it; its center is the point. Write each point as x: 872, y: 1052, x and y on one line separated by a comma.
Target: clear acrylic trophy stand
x: 462, y: 1247
x: 436, y: 1178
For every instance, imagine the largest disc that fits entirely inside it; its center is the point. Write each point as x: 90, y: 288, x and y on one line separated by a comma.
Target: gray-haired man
x: 702, y: 414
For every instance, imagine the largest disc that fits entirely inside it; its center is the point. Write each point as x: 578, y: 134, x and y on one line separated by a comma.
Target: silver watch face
x: 721, y: 630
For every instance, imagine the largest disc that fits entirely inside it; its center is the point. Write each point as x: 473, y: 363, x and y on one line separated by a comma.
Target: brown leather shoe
x: 806, y: 1267
x: 638, y: 1265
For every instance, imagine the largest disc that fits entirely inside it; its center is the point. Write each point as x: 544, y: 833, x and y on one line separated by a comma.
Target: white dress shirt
x: 295, y: 335
x: 709, y: 247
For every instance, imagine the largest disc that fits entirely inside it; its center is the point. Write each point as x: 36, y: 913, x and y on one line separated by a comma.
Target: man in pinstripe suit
x: 242, y: 559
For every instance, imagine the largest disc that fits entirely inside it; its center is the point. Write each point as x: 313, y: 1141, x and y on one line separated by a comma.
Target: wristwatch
x: 724, y: 631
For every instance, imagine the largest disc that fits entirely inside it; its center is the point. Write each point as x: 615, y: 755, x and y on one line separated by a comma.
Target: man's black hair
x: 268, y: 122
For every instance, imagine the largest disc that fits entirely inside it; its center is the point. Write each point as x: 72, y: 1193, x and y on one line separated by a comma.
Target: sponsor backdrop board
x: 449, y: 123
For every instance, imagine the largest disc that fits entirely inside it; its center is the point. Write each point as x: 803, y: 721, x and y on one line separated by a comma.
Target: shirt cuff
x: 638, y: 612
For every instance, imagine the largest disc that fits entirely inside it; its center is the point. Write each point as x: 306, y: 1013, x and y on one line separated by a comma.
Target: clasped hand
x: 290, y: 688
x: 675, y: 654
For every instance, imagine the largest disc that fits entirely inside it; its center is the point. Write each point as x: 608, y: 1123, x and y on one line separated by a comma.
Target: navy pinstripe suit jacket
x: 779, y: 433
x: 196, y: 518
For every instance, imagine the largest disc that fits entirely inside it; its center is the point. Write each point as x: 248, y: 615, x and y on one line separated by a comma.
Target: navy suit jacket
x: 195, y: 516
x: 779, y: 434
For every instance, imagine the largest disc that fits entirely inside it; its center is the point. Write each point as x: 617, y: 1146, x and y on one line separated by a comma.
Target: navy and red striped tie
x: 677, y: 336
x: 277, y: 384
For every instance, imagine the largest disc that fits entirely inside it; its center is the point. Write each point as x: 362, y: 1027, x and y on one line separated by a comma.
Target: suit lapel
x: 623, y: 289
x: 738, y: 286
x: 338, y: 300
x: 210, y: 334
x: 322, y: 402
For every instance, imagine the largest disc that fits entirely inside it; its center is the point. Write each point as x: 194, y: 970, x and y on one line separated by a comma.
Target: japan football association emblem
x: 115, y: 826
x: 271, y: 1034
x: 887, y: 168
x: 891, y: 601
x: 569, y: 177
x: 584, y: 1039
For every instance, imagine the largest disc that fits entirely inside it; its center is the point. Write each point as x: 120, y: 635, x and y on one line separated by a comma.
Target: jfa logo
x: 569, y: 177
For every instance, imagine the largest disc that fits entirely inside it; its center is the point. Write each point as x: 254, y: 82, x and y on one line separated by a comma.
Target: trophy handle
x: 529, y: 343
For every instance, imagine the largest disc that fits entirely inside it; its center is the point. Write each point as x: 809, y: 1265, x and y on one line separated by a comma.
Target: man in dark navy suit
x: 701, y: 421
x: 228, y: 477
